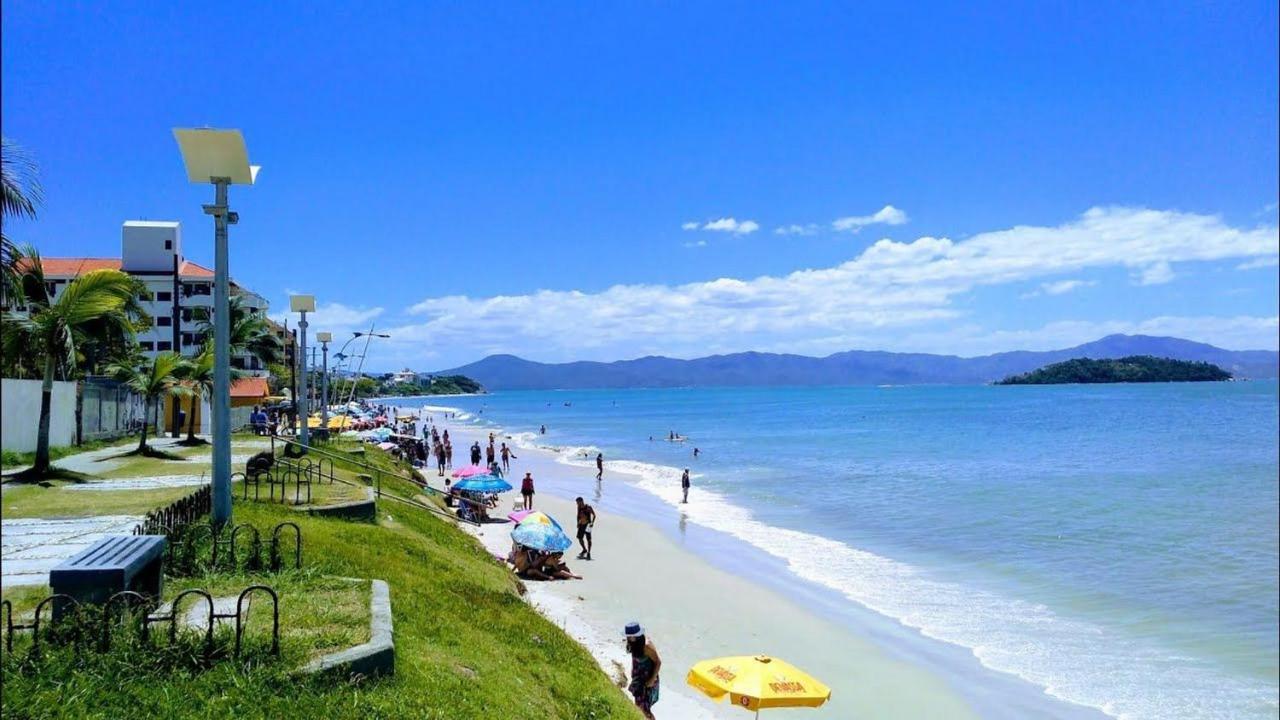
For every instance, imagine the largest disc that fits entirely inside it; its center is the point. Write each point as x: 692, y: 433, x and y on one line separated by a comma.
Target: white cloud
x: 1060, y: 287
x: 877, y: 298
x: 696, y: 243
x: 808, y: 229
x: 1156, y: 274
x: 730, y: 225
x: 1262, y: 262
x: 887, y: 215
x: 336, y: 318
x: 1268, y: 208
x: 692, y: 225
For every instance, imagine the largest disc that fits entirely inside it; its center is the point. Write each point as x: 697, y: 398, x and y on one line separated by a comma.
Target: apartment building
x: 179, y: 291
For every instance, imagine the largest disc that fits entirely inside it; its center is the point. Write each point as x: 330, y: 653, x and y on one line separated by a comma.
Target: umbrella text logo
x: 723, y: 673
x: 789, y: 686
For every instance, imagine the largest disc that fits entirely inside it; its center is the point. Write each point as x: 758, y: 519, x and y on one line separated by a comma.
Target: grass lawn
x: 467, y: 646
x: 56, y: 501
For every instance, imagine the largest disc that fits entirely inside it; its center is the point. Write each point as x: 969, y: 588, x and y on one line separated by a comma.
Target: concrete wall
x: 20, y: 414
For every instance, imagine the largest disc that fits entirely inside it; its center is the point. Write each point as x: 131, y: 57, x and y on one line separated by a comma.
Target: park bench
x: 113, y: 564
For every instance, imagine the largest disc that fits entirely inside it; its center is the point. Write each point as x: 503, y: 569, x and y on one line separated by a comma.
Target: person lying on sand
x: 554, y: 566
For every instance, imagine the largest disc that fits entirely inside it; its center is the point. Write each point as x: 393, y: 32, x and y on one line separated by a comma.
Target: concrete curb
x: 374, y: 658
x: 366, y: 509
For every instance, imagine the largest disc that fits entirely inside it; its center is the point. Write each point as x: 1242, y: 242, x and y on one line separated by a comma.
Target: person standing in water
x: 696, y: 453
x: 586, y: 521
x: 645, y: 665
x: 684, y: 485
x: 543, y: 430
x: 599, y: 466
x: 506, y: 458
x: 526, y: 490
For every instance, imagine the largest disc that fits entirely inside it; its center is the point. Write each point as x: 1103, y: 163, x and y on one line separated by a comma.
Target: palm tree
x: 250, y: 333
x: 197, y: 375
x: 155, y: 379
x: 51, y: 331
x: 19, y: 195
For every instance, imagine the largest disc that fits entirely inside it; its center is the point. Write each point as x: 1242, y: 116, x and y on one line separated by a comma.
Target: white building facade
x: 179, y: 292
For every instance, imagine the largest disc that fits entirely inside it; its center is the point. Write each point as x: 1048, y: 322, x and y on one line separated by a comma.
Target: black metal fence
x: 68, y: 625
x: 172, y: 518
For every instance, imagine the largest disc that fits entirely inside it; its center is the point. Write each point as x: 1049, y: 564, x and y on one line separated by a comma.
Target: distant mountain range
x: 855, y: 367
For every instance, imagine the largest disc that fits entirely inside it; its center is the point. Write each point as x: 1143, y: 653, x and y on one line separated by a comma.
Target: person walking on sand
x: 526, y: 490
x: 684, y: 485
x: 586, y: 521
x: 475, y: 453
x: 488, y: 454
x: 440, y: 459
x: 448, y: 451
x: 506, y: 458
x: 599, y: 466
x: 645, y: 665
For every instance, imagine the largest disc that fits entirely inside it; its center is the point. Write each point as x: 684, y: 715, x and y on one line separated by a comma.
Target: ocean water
x: 1116, y: 545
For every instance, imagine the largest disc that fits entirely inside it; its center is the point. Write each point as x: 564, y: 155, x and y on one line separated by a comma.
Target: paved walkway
x: 31, y: 547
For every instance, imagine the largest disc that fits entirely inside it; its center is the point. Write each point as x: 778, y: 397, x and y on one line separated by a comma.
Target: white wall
x: 142, y: 245
x: 20, y: 414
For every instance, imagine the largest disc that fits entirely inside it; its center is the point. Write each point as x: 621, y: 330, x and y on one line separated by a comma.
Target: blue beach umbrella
x: 540, y: 532
x: 483, y: 484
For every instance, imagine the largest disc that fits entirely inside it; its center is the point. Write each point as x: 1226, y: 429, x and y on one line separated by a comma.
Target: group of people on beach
x: 534, y: 564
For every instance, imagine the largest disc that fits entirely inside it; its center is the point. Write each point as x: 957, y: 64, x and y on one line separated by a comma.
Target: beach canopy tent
x: 757, y: 682
x: 482, y: 484
x: 540, y: 531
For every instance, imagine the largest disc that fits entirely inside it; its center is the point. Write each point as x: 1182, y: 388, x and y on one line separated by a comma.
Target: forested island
x: 1132, y: 369
x: 433, y: 385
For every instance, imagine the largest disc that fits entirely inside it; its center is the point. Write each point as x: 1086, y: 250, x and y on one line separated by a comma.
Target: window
x: 147, y: 346
x: 168, y: 244
x: 164, y: 321
x: 164, y: 296
x: 164, y: 345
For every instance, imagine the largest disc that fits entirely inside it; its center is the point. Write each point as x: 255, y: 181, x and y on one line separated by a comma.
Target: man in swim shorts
x: 586, y: 521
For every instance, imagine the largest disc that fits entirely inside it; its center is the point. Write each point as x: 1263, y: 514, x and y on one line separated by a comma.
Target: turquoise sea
x: 1116, y: 545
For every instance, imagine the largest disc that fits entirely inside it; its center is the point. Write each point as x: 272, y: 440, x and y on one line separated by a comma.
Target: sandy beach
x: 694, y: 609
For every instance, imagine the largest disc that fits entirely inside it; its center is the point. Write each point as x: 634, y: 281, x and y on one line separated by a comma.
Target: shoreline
x: 876, y: 666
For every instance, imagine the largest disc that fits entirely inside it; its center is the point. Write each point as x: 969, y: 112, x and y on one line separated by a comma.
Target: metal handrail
x: 378, y: 472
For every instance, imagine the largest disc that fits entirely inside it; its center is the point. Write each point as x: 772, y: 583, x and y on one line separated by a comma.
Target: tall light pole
x: 325, y: 338
x: 304, y: 304
x: 219, y: 157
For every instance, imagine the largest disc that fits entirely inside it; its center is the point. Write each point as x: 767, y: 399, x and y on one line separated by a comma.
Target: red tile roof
x: 74, y: 267
x: 250, y: 387
x: 190, y: 269
x: 77, y: 266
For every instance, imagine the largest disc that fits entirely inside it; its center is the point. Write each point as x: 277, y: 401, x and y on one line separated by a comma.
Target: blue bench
x: 113, y: 564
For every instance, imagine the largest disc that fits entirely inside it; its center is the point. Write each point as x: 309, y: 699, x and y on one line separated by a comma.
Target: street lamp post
x: 325, y: 338
x: 219, y: 157
x: 304, y: 304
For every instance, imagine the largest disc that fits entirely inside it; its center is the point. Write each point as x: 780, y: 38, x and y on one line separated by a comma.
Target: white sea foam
x: 1074, y: 660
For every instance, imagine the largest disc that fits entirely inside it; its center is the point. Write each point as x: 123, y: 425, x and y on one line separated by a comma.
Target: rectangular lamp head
x: 324, y: 337
x: 302, y: 303
x: 210, y: 153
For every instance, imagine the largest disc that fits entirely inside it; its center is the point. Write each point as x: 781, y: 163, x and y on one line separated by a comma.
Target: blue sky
x: 521, y: 179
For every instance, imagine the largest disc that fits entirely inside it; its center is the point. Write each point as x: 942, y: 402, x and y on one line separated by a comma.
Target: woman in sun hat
x: 645, y: 665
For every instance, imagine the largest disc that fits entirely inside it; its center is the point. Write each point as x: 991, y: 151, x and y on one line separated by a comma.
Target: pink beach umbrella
x: 470, y: 470
x: 516, y: 517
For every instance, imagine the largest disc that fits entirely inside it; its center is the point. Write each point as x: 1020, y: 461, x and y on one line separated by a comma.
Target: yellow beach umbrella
x: 756, y: 682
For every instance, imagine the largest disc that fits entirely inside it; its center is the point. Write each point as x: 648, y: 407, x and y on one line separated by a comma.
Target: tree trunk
x: 191, y: 420
x: 46, y: 409
x: 146, y: 416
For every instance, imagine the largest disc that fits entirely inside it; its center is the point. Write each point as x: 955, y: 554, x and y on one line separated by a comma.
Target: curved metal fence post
x: 130, y: 598
x: 275, y: 617
x: 174, y: 616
